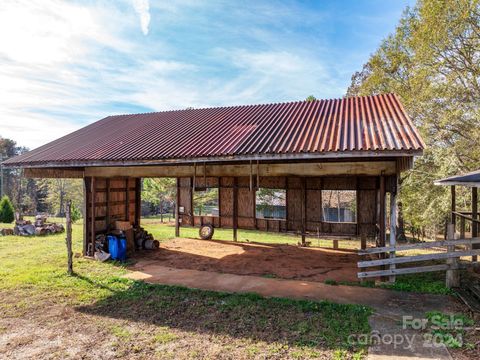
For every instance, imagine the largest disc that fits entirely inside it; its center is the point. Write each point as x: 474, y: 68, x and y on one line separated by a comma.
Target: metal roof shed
x: 303, y: 147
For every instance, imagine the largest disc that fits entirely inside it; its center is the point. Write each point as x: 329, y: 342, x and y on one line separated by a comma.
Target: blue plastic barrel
x: 122, y: 248
x: 113, y: 247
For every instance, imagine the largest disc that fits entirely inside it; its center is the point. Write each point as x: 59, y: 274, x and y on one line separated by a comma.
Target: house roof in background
x: 471, y: 179
x: 356, y: 126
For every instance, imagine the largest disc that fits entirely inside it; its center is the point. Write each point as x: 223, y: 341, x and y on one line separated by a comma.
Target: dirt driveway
x: 270, y: 260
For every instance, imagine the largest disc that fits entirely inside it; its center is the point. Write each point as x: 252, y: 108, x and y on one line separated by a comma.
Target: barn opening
x: 330, y: 164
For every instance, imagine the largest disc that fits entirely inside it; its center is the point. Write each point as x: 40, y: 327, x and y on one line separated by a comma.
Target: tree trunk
x: 401, y: 237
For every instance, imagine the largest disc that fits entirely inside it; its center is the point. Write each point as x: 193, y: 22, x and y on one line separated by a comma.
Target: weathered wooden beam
x: 475, y: 217
x: 304, y: 208
x: 415, y: 258
x: 177, y: 213
x: 452, y: 278
x: 289, y: 169
x: 393, y: 229
x: 107, y: 200
x: 92, y: 218
x: 138, y: 201
x: 403, y: 271
x: 86, y: 238
x: 425, y: 245
x: 57, y: 173
x: 453, y: 205
x: 381, y: 219
x: 235, y: 208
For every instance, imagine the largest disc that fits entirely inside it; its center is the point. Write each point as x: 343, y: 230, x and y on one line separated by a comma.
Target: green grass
x: 428, y: 283
x: 167, y: 231
x: 33, y: 273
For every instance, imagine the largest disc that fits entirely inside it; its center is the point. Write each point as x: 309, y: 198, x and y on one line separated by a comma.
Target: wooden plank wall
x: 366, y: 187
x: 109, y: 200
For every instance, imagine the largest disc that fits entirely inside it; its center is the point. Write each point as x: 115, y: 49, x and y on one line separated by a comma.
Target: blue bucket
x: 113, y: 247
x: 122, y: 248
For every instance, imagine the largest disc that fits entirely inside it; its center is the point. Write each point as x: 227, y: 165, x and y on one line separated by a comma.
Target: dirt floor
x: 269, y: 260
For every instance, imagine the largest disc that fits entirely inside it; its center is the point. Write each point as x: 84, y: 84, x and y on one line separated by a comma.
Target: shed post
x: 393, y: 227
x: 68, y: 238
x: 235, y: 208
x: 474, y: 217
x: 453, y: 276
x: 91, y: 250
x: 454, y: 207
x: 85, y: 214
x: 381, y: 220
x: 177, y: 201
x: 138, y: 200
x: 304, y: 204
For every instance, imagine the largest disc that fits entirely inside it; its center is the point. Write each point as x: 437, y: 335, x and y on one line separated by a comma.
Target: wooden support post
x: 194, y: 179
x: 91, y: 248
x: 127, y: 201
x: 107, y: 208
x: 381, y: 220
x: 453, y: 206
x: 68, y: 238
x: 462, y: 227
x: 475, y: 217
x: 138, y: 201
x: 258, y: 175
x: 204, y: 174
x: 363, y: 241
x: 86, y: 238
x: 335, y: 244
x: 453, y: 276
x: 235, y: 208
x: 393, y: 229
x: 304, y: 210
x: 251, y: 176
x: 177, y: 213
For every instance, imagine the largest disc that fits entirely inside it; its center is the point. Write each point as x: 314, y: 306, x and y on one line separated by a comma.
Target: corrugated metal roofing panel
x: 323, y: 127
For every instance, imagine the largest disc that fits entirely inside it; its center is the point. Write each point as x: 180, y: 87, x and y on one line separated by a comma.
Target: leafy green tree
x: 159, y: 192
x: 310, y: 98
x: 432, y: 62
x: 7, y: 212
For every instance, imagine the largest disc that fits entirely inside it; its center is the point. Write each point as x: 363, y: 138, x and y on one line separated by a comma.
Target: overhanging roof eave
x: 233, y: 158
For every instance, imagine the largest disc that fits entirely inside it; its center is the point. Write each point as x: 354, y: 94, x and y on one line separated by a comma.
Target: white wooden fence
x: 388, y: 257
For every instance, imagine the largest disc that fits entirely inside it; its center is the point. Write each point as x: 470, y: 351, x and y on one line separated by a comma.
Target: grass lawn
x: 47, y: 314
x: 167, y: 231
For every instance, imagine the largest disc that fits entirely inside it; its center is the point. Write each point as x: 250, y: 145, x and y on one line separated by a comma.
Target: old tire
x: 206, y: 232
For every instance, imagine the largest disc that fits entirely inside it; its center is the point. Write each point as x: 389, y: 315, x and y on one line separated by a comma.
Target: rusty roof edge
x: 235, y: 158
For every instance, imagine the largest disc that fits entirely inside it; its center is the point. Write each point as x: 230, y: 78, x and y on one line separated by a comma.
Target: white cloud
x: 142, y: 8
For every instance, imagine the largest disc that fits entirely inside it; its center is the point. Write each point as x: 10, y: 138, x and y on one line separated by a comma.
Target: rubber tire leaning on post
x: 206, y: 232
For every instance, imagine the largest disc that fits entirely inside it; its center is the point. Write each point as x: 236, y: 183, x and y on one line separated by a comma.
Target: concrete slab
x: 389, y: 306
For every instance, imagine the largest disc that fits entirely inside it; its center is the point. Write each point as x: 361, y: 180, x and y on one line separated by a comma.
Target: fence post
x: 453, y: 276
x: 68, y: 238
x: 393, y: 231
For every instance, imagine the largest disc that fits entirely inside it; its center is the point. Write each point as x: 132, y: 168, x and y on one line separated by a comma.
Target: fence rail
x: 451, y: 255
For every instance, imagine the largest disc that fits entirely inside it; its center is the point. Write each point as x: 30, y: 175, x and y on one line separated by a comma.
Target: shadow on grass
x: 294, y: 322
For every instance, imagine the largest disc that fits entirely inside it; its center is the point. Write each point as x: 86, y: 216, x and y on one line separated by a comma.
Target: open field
x: 47, y: 314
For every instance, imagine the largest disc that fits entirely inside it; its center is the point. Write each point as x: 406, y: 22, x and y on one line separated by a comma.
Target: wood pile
x: 39, y: 227
x: 144, y: 240
x: 5, y: 232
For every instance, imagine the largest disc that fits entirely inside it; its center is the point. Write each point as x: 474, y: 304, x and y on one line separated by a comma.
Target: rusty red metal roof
x: 355, y: 126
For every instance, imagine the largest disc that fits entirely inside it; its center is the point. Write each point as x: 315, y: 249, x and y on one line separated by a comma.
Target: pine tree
x: 7, y: 213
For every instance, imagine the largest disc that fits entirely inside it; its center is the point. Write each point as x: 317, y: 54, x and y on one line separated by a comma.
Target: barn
x: 321, y: 167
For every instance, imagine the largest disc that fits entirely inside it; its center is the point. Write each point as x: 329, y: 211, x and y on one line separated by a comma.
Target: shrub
x: 7, y: 213
x: 76, y: 214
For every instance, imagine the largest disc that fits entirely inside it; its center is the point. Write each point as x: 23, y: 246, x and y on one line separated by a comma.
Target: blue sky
x: 66, y: 64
